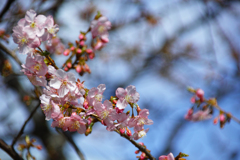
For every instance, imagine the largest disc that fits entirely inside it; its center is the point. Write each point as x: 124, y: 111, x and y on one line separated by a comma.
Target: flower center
x: 141, y: 121
x: 98, y: 97
x: 101, y: 29
x: 47, y: 108
x: 51, y: 30
x: 37, y: 67
x: 128, y: 98
x: 76, y: 125
x: 64, y: 82
x: 23, y: 40
x: 104, y: 114
x: 142, y: 134
x: 33, y: 25
x: 61, y: 122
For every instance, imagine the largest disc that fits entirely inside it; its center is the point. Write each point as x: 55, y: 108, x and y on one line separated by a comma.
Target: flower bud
x: 222, y: 117
x: 79, y: 51
x: 66, y: 52
x: 78, y: 68
x: 137, y: 151
x: 69, y: 64
x: 72, y: 48
x: 65, y: 68
x: 81, y: 43
x: 129, y: 133
x: 143, y: 155
x: 215, y: 120
x: 122, y: 130
x: 39, y: 147
x: 81, y: 36
x: 89, y: 50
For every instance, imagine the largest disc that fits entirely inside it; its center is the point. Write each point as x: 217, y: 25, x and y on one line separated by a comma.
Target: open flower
x: 128, y: 95
x: 168, y: 157
x: 198, y: 116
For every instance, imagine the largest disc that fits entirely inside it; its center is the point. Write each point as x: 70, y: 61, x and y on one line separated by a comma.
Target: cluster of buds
x: 81, y: 51
x: 81, y: 54
x: 143, y: 155
x: 205, y: 108
x: 29, y: 144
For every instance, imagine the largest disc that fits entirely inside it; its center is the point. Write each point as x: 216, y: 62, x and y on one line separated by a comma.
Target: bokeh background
x: 161, y: 47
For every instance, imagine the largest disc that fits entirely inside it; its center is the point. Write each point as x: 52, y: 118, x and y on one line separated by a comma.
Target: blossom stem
x: 49, y: 59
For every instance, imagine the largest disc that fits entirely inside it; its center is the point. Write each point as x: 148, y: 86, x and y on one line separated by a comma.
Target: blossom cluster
x: 32, y: 30
x: 65, y: 100
x: 205, y: 108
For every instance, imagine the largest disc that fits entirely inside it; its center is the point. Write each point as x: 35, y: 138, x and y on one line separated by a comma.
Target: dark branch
x: 25, y: 123
x: 6, y: 7
x: 8, y: 149
x: 70, y: 140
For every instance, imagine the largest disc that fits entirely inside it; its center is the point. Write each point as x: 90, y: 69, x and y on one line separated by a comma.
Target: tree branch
x: 12, y: 54
x: 8, y: 149
x: 70, y: 140
x: 25, y: 123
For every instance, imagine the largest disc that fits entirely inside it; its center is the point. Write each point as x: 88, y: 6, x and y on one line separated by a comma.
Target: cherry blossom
x: 96, y: 94
x: 198, y: 116
x: 106, y: 112
x: 25, y: 40
x: 61, y: 122
x: 50, y: 109
x: 63, y: 81
x: 76, y: 123
x: 50, y: 30
x: 100, y: 28
x: 140, y: 134
x: 139, y: 121
x: 128, y: 95
x: 168, y: 157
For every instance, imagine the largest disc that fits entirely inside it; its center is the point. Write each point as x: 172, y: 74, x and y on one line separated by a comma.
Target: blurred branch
x: 9, y: 150
x: 70, y: 140
x: 12, y: 54
x: 6, y: 8
x: 25, y: 123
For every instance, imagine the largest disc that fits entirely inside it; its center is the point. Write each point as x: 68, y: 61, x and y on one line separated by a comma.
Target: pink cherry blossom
x: 61, y: 122
x: 106, y: 112
x: 168, y: 157
x: 35, y: 69
x: 50, y: 29
x: 128, y: 95
x: 76, y: 123
x: 199, y: 115
x: 139, y: 121
x: 25, y: 40
x: 96, y: 94
x: 140, y: 134
x: 33, y: 24
x: 100, y: 28
x: 63, y: 81
x: 50, y: 109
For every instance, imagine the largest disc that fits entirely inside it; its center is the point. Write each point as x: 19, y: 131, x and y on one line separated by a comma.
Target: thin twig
x: 12, y: 54
x: 49, y: 59
x: 25, y: 123
x: 8, y: 149
x: 70, y: 140
x: 140, y: 147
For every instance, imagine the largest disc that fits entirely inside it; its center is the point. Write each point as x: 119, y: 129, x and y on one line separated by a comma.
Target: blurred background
x: 159, y: 46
